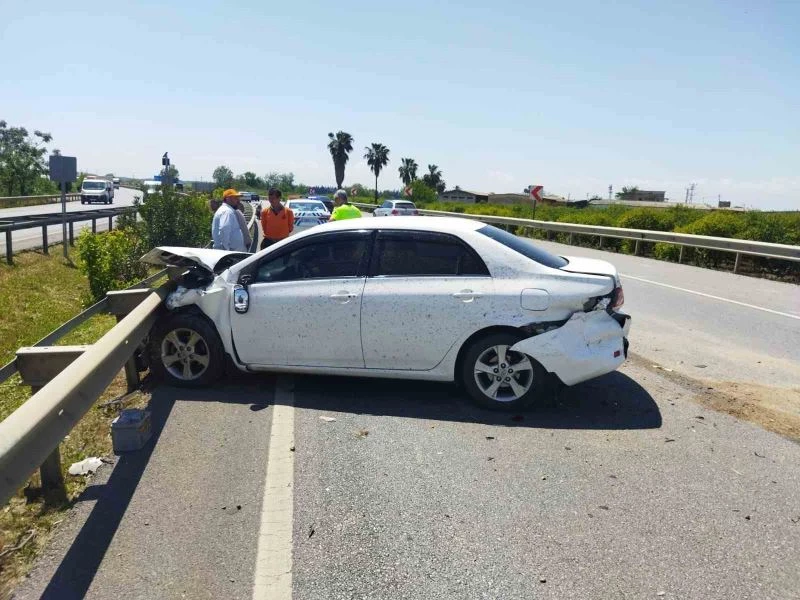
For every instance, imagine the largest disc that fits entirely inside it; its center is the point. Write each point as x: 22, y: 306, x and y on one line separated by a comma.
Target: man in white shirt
x: 225, y: 229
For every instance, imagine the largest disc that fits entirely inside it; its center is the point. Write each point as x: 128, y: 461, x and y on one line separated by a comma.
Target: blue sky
x: 572, y: 95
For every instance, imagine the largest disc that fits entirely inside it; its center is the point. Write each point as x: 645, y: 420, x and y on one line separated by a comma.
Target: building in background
x: 643, y: 196
x: 459, y: 195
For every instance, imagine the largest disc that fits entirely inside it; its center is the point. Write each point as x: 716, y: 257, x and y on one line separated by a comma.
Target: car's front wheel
x: 185, y: 350
x: 500, y: 379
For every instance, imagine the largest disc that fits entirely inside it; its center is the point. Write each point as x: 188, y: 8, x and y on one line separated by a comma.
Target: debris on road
x: 603, y: 507
x: 362, y: 433
x: 291, y: 448
x: 668, y: 440
x: 542, y: 580
x: 759, y: 455
x: 662, y: 368
x: 701, y: 366
x: 489, y: 437
x: 86, y: 466
x: 327, y: 419
x: 491, y: 458
x: 311, y: 531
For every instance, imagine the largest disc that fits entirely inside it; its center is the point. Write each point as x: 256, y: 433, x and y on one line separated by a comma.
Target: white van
x: 151, y: 186
x: 116, y: 182
x: 97, y: 190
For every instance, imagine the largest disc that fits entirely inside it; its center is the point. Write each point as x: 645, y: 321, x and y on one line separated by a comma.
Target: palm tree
x: 340, y: 146
x: 408, y: 170
x: 377, y: 156
x: 433, y: 179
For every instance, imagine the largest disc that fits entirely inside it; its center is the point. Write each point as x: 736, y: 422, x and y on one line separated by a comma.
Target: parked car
x: 325, y: 200
x: 308, y: 213
x: 246, y: 196
x: 396, y: 208
x: 418, y: 298
x: 96, y: 190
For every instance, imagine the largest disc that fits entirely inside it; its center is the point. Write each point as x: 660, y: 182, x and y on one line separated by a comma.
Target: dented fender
x: 589, y: 344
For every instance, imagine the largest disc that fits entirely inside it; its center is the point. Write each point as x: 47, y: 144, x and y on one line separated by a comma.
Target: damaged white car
x: 415, y: 298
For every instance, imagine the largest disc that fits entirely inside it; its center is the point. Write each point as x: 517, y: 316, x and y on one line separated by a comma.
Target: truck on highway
x: 116, y: 182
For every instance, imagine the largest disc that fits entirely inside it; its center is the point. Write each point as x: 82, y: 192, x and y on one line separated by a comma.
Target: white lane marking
x: 273, y: 575
x: 696, y: 293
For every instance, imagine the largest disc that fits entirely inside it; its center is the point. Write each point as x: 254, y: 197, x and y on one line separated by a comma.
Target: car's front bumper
x: 588, y: 345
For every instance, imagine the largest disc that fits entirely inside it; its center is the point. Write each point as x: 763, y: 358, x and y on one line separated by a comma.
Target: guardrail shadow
x: 77, y: 570
x: 613, y: 401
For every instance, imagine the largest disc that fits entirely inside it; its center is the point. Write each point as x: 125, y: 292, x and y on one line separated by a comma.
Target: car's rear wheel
x: 185, y: 350
x: 501, y: 379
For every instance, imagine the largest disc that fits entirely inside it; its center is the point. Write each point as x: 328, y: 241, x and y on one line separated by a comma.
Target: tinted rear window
x: 524, y: 247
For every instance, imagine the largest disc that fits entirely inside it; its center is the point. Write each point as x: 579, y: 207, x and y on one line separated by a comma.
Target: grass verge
x: 37, y: 294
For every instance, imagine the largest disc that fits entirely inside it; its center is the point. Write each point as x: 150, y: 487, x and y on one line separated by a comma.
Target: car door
x: 425, y: 292
x: 305, y: 304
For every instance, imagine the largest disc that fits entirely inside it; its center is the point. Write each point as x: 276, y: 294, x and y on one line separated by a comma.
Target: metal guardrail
x: 30, y: 436
x: 734, y: 245
x: 9, y: 201
x: 10, y: 224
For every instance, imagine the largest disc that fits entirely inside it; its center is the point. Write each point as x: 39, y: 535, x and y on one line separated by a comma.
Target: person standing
x: 344, y: 210
x: 225, y: 228
x: 247, y: 240
x: 277, y: 221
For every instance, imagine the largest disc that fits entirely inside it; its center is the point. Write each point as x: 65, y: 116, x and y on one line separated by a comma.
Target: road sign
x: 63, y: 169
x: 407, y: 191
x: 536, y: 193
x: 353, y: 192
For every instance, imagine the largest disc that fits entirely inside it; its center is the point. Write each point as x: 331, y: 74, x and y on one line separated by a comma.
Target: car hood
x: 214, y: 261
x: 590, y: 266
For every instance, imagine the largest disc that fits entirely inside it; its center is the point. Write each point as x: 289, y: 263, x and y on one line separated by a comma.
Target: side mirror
x: 241, y: 299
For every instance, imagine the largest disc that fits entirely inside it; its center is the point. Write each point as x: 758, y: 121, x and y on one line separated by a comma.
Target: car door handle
x: 467, y: 295
x: 346, y: 296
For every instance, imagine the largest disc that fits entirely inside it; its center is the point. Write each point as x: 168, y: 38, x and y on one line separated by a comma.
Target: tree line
x: 340, y: 146
x: 23, y: 161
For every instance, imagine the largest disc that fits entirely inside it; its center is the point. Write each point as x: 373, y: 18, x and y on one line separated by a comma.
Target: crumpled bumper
x: 588, y: 345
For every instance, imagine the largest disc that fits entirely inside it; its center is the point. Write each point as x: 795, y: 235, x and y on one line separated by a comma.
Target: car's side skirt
x: 433, y: 375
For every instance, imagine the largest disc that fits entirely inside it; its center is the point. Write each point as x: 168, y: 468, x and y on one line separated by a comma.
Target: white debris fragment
x: 327, y: 419
x: 86, y: 466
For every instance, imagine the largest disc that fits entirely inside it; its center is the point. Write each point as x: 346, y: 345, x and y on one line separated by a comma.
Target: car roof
x: 437, y: 224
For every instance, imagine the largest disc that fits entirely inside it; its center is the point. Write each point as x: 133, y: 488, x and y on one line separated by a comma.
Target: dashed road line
x: 704, y: 295
x: 273, y: 573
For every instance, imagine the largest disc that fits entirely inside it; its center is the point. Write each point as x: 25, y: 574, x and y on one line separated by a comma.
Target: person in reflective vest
x: 344, y: 210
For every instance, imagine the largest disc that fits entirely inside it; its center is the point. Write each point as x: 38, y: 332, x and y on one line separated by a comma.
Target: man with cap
x: 344, y: 210
x: 225, y: 227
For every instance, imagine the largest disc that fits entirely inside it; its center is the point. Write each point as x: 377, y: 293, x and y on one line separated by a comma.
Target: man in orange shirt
x: 277, y: 222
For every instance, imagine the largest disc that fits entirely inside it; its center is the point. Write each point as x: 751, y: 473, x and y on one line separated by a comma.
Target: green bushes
x: 110, y: 260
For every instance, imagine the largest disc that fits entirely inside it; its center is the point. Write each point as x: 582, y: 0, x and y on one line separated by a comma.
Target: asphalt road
x: 627, y: 487
x: 32, y: 238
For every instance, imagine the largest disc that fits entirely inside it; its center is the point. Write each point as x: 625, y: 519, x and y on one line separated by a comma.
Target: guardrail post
x: 571, y: 237
x: 600, y: 246
x: 45, y: 248
x: 94, y: 225
x: 53, y: 488
x: 71, y: 234
x: 9, y: 249
x: 736, y: 264
x: 110, y: 223
x: 636, y: 247
x: 680, y: 254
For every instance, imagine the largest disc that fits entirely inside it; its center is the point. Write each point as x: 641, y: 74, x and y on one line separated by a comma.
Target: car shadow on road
x: 613, y: 401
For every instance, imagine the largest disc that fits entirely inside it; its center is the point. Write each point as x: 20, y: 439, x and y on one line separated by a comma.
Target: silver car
x: 396, y: 208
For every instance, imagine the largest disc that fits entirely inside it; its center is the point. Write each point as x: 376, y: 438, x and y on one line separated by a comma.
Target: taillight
x: 395, y: 212
x: 619, y: 297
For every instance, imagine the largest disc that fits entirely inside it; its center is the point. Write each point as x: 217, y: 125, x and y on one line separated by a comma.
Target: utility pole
x: 691, y: 194
x: 610, y: 190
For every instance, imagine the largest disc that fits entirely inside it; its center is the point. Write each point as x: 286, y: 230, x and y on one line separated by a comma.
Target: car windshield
x: 524, y: 247
x: 94, y: 185
x: 405, y: 205
x: 307, y: 206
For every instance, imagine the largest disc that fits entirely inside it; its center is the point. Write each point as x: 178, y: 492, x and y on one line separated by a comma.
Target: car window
x: 524, y: 247
x: 421, y: 254
x: 321, y: 260
x: 404, y: 205
x: 386, y: 204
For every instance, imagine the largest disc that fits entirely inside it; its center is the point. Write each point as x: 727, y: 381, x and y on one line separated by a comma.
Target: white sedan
x: 396, y: 208
x: 308, y: 213
x: 439, y: 299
